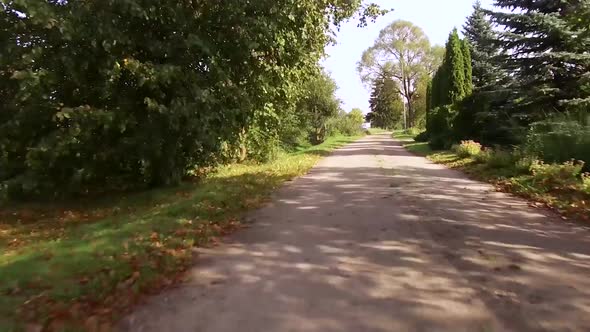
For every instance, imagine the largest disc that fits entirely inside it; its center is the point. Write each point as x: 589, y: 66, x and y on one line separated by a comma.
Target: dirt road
x: 376, y: 239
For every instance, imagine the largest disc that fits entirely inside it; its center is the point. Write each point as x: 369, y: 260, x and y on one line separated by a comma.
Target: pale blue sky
x: 436, y: 17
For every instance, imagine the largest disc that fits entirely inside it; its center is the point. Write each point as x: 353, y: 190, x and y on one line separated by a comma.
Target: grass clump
x: 407, y: 134
x: 375, y: 131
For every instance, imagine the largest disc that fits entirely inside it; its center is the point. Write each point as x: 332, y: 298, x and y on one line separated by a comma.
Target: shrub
x: 439, y: 127
x: 422, y: 137
x: 483, y: 117
x: 467, y: 149
x: 558, y: 140
x: 412, y: 131
x: 483, y: 156
x: 344, y: 124
x: 523, y: 165
x: 501, y: 159
x: 586, y: 182
x: 557, y: 176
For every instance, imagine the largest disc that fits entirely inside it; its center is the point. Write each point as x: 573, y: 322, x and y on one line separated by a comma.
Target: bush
x: 586, y: 182
x: 482, y: 117
x: 500, y: 158
x: 412, y: 131
x: 467, y: 149
x: 483, y: 156
x: 516, y: 161
x: 559, y: 140
x: 349, y: 124
x: 523, y: 165
x: 439, y: 127
x: 422, y: 137
x: 557, y: 176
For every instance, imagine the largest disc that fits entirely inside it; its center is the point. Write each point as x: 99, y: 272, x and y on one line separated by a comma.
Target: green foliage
x: 557, y: 185
x: 439, y: 92
x: 480, y: 117
x: 318, y: 105
x: 500, y: 158
x: 451, y: 84
x: 386, y: 105
x: 103, y: 95
x: 559, y: 139
x: 586, y: 182
x: 357, y: 117
x: 467, y: 67
x: 439, y: 127
x: 455, y: 68
x: 349, y: 124
x: 420, y: 102
x: 422, y: 137
x: 452, y: 81
x: 480, y: 37
x: 556, y: 176
x: 550, y: 73
x: 402, y: 52
x: 467, y: 149
x: 412, y: 131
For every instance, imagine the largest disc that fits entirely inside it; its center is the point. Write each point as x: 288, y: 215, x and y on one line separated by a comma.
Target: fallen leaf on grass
x: 33, y: 328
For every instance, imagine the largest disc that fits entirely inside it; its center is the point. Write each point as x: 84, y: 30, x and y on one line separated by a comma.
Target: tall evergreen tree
x: 428, y: 97
x: 439, y: 95
x: 546, y: 44
x: 455, y: 68
x: 479, y: 33
x: 467, y: 68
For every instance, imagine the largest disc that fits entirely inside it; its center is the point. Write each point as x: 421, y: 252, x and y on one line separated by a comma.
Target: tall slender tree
x: 480, y: 35
x: 455, y: 68
x: 467, y: 67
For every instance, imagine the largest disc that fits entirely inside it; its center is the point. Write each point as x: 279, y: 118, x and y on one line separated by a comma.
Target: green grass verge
x: 402, y: 135
x: 62, y: 264
x: 570, y: 201
x: 422, y: 149
x: 375, y: 131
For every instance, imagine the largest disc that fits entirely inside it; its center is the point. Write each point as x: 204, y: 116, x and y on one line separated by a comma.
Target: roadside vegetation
x: 560, y: 186
x: 82, y: 264
x: 521, y: 122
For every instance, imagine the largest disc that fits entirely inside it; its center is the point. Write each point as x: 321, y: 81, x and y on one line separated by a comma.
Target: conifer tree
x: 546, y: 50
x: 467, y: 68
x: 455, y: 68
x: 386, y: 103
x: 480, y: 36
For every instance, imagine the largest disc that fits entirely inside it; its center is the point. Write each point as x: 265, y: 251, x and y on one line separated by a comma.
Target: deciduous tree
x: 103, y: 94
x: 403, y: 51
